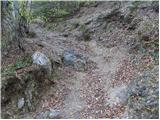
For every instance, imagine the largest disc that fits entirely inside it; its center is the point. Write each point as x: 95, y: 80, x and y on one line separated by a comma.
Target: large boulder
x: 75, y: 60
x: 43, y: 61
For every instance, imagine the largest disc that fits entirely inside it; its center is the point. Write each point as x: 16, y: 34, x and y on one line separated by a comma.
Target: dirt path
x: 100, y: 91
x: 88, y: 94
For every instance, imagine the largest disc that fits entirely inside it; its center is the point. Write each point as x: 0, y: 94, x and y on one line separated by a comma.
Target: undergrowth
x: 20, y: 63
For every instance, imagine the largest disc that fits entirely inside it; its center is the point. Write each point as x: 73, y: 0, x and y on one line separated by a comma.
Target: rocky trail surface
x: 86, y: 92
x: 99, y: 34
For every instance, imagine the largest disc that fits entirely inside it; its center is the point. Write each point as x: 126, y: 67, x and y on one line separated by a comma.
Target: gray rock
x: 123, y: 95
x: 69, y: 57
x: 117, y: 95
x: 42, y: 60
x: 43, y: 115
x: 51, y: 114
x: 54, y: 114
x: 73, y: 59
x: 21, y: 103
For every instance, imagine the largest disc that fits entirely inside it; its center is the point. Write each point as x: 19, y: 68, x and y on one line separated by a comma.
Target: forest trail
x: 88, y: 90
x: 103, y: 57
x: 88, y: 94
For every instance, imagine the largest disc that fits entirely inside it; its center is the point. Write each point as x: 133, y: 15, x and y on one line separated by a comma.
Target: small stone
x: 44, y: 115
x: 50, y: 114
x: 54, y: 114
x: 21, y: 103
x: 118, y: 95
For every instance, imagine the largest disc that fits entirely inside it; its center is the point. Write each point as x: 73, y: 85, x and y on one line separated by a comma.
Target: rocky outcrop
x: 144, y: 94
